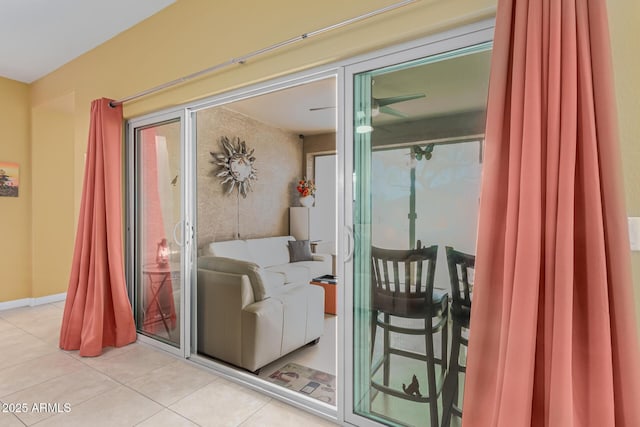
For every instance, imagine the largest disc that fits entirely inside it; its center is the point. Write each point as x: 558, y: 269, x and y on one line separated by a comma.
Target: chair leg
x: 450, y: 391
x: 374, y: 318
x: 386, y: 355
x: 445, y: 344
x: 431, y: 373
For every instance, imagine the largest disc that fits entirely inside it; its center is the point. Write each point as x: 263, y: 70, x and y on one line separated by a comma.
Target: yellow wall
x: 193, y: 34
x: 624, y: 17
x: 52, y: 216
x: 15, y: 225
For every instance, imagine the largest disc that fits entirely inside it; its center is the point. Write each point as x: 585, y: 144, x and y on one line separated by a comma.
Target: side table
x: 329, y: 294
x: 159, y: 279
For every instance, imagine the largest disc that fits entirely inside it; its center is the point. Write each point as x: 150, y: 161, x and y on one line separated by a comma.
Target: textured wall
x: 278, y: 162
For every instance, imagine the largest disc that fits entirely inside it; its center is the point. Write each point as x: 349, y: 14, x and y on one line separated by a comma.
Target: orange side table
x: 329, y: 296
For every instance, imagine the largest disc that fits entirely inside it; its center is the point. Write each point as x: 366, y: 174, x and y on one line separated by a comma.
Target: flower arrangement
x: 306, y: 187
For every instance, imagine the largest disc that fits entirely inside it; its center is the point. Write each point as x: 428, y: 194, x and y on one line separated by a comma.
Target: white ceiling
x: 454, y: 85
x: 39, y: 36
x: 289, y: 109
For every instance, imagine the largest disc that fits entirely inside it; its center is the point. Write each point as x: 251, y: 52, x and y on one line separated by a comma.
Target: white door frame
x: 131, y: 208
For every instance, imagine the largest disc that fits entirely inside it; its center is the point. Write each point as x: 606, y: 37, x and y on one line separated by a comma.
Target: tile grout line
x: 169, y: 409
x: 255, y: 412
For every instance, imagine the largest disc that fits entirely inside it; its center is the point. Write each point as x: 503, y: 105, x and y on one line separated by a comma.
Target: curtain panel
x: 553, y: 337
x: 97, y: 311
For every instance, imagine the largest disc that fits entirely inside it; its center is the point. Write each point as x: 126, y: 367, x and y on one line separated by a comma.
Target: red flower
x: 306, y: 187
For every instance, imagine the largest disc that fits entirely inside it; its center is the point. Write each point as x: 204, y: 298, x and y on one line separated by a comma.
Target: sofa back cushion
x: 269, y: 251
x: 236, y: 249
x: 264, y: 283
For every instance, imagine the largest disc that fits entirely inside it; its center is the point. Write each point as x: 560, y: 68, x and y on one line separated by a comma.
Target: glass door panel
x: 253, y: 310
x: 417, y: 161
x: 158, y: 240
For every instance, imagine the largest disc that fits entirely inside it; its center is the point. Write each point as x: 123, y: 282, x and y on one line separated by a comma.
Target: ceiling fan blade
x: 395, y: 99
x: 392, y: 112
x: 320, y: 108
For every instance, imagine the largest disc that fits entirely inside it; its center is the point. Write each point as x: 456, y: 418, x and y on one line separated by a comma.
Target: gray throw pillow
x: 299, y: 250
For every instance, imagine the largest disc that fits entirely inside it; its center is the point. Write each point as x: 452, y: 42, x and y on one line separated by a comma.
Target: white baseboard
x: 30, y: 302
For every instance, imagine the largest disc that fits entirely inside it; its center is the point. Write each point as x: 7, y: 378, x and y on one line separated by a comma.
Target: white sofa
x: 254, y: 305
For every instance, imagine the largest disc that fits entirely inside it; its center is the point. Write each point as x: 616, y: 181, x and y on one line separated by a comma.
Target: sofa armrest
x: 263, y: 282
x: 221, y: 298
x: 230, y: 288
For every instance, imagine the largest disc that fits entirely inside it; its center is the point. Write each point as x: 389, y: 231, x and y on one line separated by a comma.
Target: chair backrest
x: 402, y: 280
x: 460, y: 265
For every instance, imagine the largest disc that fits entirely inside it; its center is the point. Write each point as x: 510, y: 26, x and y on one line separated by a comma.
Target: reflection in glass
x: 158, y: 213
x: 417, y: 191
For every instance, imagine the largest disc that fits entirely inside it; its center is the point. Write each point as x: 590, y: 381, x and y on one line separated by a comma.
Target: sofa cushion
x: 237, y: 249
x: 264, y: 283
x: 315, y: 268
x: 292, y: 273
x: 269, y: 251
x: 299, y: 250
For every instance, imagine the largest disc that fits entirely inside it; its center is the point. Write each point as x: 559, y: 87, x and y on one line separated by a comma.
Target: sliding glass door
x: 157, y: 228
x: 407, y: 130
x: 416, y: 159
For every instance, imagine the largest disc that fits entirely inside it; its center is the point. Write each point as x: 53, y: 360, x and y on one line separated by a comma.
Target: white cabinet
x: 304, y: 223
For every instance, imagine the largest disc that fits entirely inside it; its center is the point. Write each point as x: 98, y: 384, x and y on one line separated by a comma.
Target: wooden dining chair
x: 402, y: 287
x: 461, y: 266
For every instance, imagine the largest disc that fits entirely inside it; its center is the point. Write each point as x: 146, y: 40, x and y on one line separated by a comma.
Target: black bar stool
x: 403, y: 287
x: 460, y: 266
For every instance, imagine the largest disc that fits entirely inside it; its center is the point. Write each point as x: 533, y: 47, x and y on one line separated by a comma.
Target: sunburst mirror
x: 236, y: 164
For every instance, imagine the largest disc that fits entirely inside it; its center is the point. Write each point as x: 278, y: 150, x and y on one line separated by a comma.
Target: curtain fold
x: 97, y: 311
x: 553, y: 335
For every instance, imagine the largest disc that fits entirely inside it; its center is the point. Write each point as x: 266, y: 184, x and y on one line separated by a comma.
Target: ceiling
x: 289, y: 109
x: 455, y: 85
x: 46, y: 34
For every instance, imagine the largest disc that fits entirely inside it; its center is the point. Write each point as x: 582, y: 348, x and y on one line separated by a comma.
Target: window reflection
x: 417, y: 193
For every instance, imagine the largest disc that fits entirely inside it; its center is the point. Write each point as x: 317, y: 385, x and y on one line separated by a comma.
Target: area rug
x: 314, y: 383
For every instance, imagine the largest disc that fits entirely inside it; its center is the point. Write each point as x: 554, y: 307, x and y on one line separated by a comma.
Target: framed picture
x: 9, y: 179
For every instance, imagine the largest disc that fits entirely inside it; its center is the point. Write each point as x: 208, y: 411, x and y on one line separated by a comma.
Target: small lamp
x: 162, y: 253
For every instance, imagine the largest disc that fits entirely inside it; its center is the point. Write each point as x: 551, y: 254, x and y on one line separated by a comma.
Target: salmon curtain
x: 553, y: 337
x: 97, y: 311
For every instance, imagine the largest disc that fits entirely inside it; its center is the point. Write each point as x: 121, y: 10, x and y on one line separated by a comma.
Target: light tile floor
x: 134, y: 385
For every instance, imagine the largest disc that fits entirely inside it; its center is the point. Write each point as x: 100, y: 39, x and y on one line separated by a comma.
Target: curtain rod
x: 244, y: 58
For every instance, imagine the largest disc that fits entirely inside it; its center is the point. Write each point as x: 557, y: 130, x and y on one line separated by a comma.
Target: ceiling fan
x: 381, y: 105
